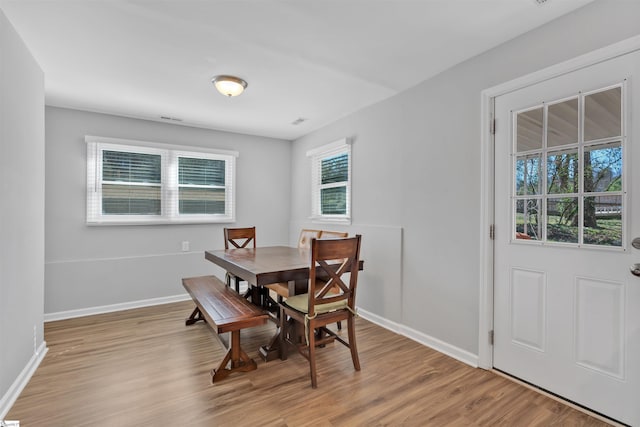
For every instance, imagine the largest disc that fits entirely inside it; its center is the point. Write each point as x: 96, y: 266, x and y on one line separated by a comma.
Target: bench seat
x: 225, y: 311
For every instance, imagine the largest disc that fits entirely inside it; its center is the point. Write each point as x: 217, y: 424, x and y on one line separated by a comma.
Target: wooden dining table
x: 265, y: 265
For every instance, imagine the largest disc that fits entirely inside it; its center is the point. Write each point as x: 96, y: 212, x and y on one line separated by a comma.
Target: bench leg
x: 240, y: 361
x: 195, y: 317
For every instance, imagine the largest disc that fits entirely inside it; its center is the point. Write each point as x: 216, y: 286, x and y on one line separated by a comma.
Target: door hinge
x: 492, y: 231
x: 491, y: 337
x: 492, y: 126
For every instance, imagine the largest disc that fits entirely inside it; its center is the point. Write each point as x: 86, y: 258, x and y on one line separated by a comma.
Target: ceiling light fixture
x: 229, y: 85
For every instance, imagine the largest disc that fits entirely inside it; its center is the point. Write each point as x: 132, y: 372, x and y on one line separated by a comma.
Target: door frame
x: 487, y: 171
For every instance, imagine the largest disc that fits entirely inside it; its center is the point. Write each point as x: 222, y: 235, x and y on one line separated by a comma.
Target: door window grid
x: 546, y: 171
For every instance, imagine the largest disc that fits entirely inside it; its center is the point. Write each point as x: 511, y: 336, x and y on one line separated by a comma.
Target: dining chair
x: 320, y: 307
x: 304, y: 241
x: 306, y: 234
x: 325, y: 234
x: 238, y: 238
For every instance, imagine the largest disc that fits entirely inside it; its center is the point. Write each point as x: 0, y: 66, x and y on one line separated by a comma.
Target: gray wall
x: 22, y: 210
x: 416, y: 164
x: 89, y: 267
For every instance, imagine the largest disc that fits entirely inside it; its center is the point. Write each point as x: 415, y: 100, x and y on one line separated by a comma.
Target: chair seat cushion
x: 301, y: 304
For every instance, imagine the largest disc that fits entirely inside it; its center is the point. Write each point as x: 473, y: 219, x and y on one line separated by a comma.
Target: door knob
x: 635, y: 269
x: 636, y: 243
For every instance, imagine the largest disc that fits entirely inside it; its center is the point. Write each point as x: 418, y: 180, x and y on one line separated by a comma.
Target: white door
x: 567, y: 207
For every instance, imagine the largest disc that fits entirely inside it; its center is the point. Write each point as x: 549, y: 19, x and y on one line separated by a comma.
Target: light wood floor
x: 144, y: 367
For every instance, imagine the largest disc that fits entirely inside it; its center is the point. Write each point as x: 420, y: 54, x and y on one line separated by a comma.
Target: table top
x: 264, y: 265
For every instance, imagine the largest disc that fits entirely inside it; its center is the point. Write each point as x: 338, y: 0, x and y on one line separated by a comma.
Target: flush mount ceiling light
x: 229, y: 85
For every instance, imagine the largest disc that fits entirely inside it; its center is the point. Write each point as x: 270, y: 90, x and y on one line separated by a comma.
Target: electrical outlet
x: 185, y: 246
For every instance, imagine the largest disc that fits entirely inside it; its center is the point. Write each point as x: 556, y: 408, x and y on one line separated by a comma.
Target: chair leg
x: 283, y: 335
x: 352, y: 342
x: 312, y: 355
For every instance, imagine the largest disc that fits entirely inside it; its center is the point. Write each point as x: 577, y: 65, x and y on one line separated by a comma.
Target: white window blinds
x: 141, y: 182
x: 131, y: 183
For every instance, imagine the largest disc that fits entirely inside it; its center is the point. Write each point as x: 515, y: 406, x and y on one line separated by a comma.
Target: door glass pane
x: 528, y: 219
x: 562, y: 123
x: 603, y: 220
x: 528, y: 174
x: 603, y: 168
x: 529, y: 130
x: 562, y: 219
x: 602, y: 114
x: 562, y: 170
x: 572, y: 174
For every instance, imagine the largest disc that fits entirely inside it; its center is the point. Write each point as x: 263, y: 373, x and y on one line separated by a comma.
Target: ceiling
x: 318, y: 60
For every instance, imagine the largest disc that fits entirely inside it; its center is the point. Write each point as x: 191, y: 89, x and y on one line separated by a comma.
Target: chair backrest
x: 332, y: 258
x: 324, y: 234
x: 304, y: 241
x: 239, y: 237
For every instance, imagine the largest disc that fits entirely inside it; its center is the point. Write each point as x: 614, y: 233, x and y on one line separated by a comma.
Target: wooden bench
x: 225, y: 311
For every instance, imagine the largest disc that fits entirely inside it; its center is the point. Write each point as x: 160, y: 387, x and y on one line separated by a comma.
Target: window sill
x: 159, y: 221
x: 330, y: 220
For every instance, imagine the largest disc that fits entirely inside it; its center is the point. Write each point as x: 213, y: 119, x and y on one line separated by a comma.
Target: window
x: 568, y: 170
x: 331, y: 182
x: 135, y: 182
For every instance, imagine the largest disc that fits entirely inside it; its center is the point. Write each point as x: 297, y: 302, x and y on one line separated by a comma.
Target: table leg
x: 271, y: 351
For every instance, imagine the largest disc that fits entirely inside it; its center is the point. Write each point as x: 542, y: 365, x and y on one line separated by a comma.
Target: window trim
x: 316, y: 156
x: 169, y: 182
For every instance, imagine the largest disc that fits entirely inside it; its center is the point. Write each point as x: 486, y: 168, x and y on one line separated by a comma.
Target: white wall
x: 416, y: 165
x: 90, y: 267
x: 21, y: 214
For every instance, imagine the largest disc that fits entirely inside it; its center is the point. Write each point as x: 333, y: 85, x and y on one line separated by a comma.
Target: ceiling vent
x: 173, y: 119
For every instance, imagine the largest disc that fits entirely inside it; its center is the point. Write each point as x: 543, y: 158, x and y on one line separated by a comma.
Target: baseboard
x: 20, y: 383
x: 380, y: 321
x: 81, y: 312
x: 438, y: 345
